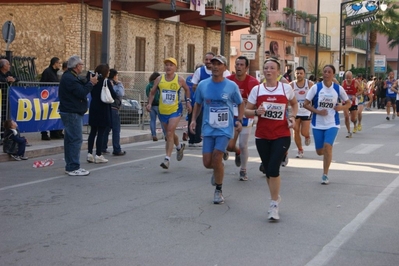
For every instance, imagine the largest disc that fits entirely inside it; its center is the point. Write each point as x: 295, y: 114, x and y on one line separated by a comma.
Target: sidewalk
x: 129, y: 134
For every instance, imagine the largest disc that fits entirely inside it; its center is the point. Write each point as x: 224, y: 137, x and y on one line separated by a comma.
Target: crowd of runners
x: 226, y: 107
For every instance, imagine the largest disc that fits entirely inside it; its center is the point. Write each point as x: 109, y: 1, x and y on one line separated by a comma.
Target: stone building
x: 142, y: 33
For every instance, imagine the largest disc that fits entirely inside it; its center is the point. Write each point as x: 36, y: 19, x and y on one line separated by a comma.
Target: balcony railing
x: 360, y: 44
x: 236, y: 7
x: 290, y: 22
x: 324, y: 40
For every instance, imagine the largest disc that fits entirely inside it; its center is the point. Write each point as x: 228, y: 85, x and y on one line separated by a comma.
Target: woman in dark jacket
x: 99, y: 116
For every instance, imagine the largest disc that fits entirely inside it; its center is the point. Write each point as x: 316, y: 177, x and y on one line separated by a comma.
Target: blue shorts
x: 209, y: 144
x: 165, y: 118
x: 322, y: 136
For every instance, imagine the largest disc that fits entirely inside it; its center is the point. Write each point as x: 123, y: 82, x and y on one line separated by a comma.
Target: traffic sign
x: 8, y: 32
x: 248, y: 43
x: 249, y: 55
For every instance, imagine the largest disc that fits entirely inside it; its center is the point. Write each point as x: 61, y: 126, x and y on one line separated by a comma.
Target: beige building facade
x: 137, y: 43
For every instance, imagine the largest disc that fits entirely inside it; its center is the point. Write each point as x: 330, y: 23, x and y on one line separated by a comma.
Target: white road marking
x: 329, y: 250
x: 364, y: 148
x: 92, y: 170
x: 384, y: 126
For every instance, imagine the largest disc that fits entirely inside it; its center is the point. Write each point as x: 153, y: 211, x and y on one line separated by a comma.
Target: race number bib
x: 274, y: 111
x: 168, y: 97
x: 219, y: 117
x: 301, y: 103
x: 326, y: 102
x: 235, y: 109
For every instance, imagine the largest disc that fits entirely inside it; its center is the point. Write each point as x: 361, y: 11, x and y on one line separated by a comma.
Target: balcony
x: 356, y: 44
x: 310, y: 40
x: 287, y: 23
x: 237, y: 12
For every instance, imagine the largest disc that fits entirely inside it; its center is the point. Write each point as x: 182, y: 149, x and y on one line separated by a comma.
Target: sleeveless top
x: 300, y: 94
x: 351, y: 90
x: 169, y: 99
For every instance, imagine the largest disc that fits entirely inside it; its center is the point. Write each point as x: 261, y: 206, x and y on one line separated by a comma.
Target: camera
x: 92, y: 74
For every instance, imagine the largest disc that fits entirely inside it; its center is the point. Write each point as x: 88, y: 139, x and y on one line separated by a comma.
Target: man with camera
x: 73, y: 105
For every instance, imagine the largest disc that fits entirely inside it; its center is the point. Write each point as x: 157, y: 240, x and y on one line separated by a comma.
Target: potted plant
x: 312, y: 18
x: 288, y: 11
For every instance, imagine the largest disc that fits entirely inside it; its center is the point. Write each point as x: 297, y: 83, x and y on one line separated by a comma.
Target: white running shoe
x: 165, y: 164
x: 90, y: 158
x: 79, y: 172
x: 100, y: 159
x: 324, y: 180
x: 307, y: 141
x: 273, y: 212
x: 300, y: 154
x: 393, y: 116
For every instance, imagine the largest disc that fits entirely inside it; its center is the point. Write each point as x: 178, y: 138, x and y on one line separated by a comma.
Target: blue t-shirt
x: 217, y: 99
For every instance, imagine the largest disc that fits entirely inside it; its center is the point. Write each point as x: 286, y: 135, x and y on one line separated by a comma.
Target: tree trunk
x: 255, y: 25
x: 373, y: 44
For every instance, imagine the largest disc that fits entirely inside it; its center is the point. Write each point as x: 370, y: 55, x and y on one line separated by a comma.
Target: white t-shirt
x: 327, y: 99
x: 197, y: 74
x: 289, y: 93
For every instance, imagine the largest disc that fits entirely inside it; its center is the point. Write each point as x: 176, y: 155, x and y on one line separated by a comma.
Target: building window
x: 215, y: 50
x: 190, y: 58
x: 290, y: 3
x: 274, y: 5
x: 140, y: 54
x: 95, y: 49
x: 303, y: 61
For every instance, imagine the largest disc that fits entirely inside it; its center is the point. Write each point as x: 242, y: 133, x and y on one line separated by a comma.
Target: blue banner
x: 35, y: 109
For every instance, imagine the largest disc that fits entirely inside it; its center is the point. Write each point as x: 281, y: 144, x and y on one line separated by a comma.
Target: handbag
x: 106, y: 96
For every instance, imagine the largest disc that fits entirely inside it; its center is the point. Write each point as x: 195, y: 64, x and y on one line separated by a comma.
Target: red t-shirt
x: 245, y: 85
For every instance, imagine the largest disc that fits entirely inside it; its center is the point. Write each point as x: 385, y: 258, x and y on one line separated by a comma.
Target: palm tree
x: 382, y: 24
x: 393, y: 39
x: 256, y: 17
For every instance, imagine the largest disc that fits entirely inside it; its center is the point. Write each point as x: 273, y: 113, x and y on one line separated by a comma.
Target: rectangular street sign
x: 249, y: 55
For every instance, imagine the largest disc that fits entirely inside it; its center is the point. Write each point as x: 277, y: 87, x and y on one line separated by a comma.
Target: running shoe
x: 349, y: 135
x: 179, y: 153
x: 300, y: 154
x: 185, y: 136
x: 238, y: 160
x: 387, y: 118
x: 243, y: 175
x: 165, y: 164
x: 324, y: 180
x: 359, y: 127
x: 278, y: 202
x: 261, y: 168
x: 100, y: 159
x: 354, y: 129
x: 226, y: 155
x: 79, y: 172
x: 393, y: 116
x: 273, y: 212
x: 15, y: 157
x: 284, y: 162
x: 307, y: 141
x: 23, y: 157
x: 90, y: 158
x: 218, y: 197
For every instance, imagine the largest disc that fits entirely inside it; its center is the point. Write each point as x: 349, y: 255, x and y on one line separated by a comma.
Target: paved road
x: 132, y: 212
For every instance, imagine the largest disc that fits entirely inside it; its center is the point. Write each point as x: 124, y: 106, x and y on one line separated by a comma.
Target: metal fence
x: 134, y: 82
x: 23, y: 67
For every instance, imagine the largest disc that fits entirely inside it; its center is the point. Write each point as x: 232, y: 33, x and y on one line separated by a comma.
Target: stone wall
x: 47, y: 30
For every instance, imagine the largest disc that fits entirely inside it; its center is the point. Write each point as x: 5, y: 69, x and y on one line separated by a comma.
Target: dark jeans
x: 195, y: 138
x: 100, y: 132
x: 73, y: 127
x: 116, y: 133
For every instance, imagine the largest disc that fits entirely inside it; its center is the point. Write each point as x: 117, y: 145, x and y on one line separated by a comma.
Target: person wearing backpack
x: 325, y: 119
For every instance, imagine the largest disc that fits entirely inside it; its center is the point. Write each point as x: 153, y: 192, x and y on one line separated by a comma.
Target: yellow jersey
x: 169, y: 99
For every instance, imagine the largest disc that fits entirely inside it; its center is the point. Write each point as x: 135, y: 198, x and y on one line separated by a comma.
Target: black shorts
x: 303, y: 117
x: 353, y: 108
x: 390, y: 99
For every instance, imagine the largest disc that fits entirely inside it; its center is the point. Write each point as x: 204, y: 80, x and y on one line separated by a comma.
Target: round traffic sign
x: 248, y: 45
